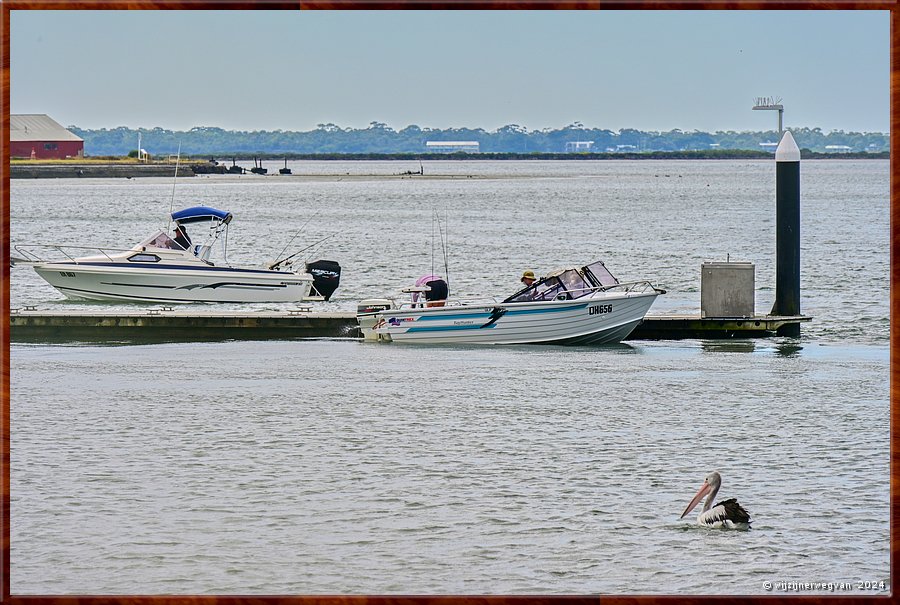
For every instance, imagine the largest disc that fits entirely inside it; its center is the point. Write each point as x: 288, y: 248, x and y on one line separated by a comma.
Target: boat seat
x: 202, y: 252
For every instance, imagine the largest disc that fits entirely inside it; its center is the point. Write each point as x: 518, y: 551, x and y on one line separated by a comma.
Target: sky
x: 294, y: 70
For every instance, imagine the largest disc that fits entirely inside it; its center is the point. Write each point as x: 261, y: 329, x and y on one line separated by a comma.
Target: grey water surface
x: 335, y: 466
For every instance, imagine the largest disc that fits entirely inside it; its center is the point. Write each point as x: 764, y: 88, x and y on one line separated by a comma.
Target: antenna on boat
x: 433, y: 218
x: 174, y: 178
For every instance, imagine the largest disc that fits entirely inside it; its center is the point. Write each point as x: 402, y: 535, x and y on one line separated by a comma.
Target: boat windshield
x: 575, y: 284
x: 598, y: 273
x: 568, y: 284
x: 160, y: 240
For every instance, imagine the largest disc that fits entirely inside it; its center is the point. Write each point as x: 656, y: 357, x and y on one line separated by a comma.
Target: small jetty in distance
x: 95, y: 170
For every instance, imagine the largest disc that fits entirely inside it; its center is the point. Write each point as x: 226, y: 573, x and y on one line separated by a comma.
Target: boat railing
x: 450, y: 302
x: 30, y: 255
x: 635, y: 287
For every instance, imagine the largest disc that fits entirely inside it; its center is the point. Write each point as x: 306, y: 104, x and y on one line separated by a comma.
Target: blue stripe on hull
x: 447, y: 328
x: 155, y: 266
x: 546, y: 310
x: 487, y: 314
x: 447, y: 316
x: 224, y: 284
x: 106, y: 295
x: 605, y: 336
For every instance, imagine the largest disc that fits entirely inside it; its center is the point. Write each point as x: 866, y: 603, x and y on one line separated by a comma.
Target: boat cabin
x: 567, y: 283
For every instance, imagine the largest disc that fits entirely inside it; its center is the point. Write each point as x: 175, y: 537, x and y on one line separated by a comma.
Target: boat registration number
x: 598, y: 309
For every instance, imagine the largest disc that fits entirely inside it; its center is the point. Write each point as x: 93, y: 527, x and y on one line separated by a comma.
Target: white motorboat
x: 170, y: 268
x: 575, y: 306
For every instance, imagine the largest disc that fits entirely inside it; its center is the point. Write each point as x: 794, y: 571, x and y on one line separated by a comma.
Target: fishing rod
x: 278, y: 263
x: 443, y: 232
x: 444, y: 249
x: 447, y: 246
x: 296, y: 234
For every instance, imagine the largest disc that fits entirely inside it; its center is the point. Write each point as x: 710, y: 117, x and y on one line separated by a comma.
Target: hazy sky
x: 268, y: 70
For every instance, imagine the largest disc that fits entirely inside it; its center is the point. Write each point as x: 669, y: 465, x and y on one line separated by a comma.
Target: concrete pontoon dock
x: 670, y: 327
x: 167, y: 324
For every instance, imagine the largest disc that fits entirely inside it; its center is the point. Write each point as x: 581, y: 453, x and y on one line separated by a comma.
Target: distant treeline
x: 380, y: 139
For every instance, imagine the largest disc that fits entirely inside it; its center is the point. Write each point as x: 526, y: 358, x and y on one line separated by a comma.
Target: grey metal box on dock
x: 727, y: 289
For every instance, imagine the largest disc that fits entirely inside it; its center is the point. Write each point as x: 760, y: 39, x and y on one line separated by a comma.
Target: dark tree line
x: 379, y: 138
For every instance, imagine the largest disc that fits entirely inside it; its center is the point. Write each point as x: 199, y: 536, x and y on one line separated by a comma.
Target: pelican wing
x: 724, y: 512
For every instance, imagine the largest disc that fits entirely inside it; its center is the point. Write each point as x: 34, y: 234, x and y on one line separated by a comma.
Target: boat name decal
x: 395, y: 321
x: 598, y: 309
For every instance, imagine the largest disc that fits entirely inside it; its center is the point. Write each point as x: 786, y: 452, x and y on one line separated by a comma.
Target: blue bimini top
x: 195, y: 214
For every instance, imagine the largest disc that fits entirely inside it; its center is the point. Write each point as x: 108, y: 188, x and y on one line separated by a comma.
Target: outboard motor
x: 374, y: 305
x: 326, y: 276
x: 367, y: 316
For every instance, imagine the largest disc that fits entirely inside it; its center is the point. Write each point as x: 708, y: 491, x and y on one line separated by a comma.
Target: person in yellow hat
x: 528, y: 279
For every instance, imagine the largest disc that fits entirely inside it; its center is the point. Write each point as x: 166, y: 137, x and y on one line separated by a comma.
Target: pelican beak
x: 704, y: 489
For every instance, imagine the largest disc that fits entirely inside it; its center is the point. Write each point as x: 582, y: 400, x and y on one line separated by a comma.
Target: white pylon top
x: 787, y: 149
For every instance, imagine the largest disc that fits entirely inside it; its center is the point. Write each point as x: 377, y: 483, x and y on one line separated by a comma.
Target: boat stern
x: 368, y: 314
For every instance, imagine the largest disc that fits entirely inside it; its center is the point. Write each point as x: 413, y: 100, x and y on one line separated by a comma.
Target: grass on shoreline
x: 104, y: 160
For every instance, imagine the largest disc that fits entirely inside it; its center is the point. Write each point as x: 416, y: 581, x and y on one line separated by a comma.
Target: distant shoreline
x: 724, y: 154
x: 226, y: 158
x: 115, y: 167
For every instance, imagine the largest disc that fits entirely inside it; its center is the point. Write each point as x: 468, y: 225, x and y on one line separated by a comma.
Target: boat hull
x: 601, y: 318
x: 174, y: 283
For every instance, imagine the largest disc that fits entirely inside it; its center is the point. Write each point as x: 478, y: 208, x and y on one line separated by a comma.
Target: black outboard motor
x: 326, y: 276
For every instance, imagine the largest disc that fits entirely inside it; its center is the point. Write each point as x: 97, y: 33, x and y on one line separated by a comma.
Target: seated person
x: 527, y: 278
x: 546, y: 289
x: 181, y: 237
x: 529, y: 294
x: 434, y: 288
x: 437, y: 296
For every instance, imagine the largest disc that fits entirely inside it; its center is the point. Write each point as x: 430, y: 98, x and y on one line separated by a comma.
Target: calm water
x: 342, y: 467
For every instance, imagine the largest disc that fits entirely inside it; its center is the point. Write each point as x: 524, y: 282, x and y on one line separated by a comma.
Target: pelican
x: 728, y: 513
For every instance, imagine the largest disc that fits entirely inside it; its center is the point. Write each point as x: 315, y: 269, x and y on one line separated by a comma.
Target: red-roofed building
x: 39, y: 137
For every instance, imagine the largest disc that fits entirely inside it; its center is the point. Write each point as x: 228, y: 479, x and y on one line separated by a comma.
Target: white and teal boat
x: 574, y: 306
